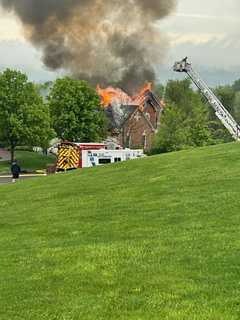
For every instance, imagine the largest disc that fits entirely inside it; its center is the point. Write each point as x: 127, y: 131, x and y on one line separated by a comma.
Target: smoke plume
x: 103, y: 41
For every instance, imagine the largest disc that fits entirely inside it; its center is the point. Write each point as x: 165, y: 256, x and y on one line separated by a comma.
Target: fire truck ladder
x: 224, y: 116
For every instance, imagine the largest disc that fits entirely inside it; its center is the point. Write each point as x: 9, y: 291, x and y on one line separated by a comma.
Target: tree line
x: 32, y: 114
x: 188, y: 121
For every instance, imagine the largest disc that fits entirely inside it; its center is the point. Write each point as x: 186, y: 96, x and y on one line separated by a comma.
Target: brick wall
x: 137, y: 131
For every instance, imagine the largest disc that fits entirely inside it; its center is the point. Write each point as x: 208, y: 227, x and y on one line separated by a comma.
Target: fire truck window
x: 117, y: 159
x: 104, y: 161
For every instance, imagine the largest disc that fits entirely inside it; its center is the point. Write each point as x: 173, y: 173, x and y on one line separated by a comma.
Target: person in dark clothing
x: 15, y: 169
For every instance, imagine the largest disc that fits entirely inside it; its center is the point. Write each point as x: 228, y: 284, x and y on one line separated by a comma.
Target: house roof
x: 119, y: 105
x: 118, y: 114
x: 114, y: 96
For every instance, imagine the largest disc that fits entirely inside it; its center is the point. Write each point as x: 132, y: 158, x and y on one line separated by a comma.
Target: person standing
x: 15, y: 169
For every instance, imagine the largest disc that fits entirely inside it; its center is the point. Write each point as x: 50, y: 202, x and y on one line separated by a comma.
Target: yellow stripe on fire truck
x: 68, y: 158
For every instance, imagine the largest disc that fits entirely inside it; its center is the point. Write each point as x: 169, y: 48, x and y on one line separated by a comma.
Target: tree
x: 44, y: 88
x: 226, y: 95
x: 185, y: 121
x: 159, y: 90
x: 172, y: 135
x: 237, y: 106
x: 24, y: 118
x: 236, y: 85
x: 76, y: 112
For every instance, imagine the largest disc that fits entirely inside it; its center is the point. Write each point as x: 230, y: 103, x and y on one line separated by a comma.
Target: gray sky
x: 207, y: 31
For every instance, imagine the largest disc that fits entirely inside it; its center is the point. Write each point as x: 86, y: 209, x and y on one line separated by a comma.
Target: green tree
x: 172, y: 135
x: 76, y: 112
x: 24, y: 118
x: 227, y: 96
x: 236, y: 88
x: 237, y: 106
x: 185, y: 121
x: 44, y: 88
x: 159, y: 90
x: 236, y: 85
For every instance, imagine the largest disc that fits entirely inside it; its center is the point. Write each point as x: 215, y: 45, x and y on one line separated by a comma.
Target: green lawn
x: 157, y: 238
x: 29, y: 161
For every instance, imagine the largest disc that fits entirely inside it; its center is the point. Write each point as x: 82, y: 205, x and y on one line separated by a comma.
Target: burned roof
x: 119, y: 105
x: 117, y: 115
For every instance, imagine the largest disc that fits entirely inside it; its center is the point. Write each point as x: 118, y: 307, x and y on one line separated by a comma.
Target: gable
x: 139, y: 118
x: 120, y: 107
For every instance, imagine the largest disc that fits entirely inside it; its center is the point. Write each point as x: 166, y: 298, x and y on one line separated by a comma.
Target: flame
x: 111, y: 95
x: 139, y: 99
x: 145, y: 88
x: 105, y: 96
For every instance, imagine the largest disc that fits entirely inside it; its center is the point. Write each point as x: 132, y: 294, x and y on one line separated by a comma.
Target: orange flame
x: 105, y: 96
x: 110, y: 95
x: 139, y: 98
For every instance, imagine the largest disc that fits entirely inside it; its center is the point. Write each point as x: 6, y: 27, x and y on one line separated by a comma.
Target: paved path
x: 4, y: 155
x: 5, y: 179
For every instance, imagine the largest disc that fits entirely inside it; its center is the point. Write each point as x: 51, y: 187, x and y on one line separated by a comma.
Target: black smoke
x: 105, y: 41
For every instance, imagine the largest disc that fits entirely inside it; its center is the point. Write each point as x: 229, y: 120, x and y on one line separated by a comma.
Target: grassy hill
x: 157, y: 238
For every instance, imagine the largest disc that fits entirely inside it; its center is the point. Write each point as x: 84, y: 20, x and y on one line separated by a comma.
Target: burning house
x: 104, y: 41
x: 134, y: 120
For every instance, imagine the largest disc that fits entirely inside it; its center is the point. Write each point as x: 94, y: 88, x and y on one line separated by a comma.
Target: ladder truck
x: 221, y: 112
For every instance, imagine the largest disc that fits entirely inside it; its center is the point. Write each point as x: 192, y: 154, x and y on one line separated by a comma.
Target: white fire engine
x: 92, y: 158
x: 84, y: 155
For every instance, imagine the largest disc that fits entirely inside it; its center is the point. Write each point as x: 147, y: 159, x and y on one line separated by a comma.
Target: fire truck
x: 84, y: 155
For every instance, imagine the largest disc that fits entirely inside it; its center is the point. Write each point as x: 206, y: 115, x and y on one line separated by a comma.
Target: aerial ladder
x: 221, y: 112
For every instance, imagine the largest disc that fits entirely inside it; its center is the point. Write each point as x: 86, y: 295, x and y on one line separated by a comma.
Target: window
x: 104, y: 161
x: 117, y: 159
x: 128, y: 142
x: 144, y: 141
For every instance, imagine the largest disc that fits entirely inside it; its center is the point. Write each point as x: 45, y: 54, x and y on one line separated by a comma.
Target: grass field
x: 29, y: 161
x: 157, y: 238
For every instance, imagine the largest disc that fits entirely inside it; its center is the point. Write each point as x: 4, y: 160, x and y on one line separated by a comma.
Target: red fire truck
x: 70, y: 154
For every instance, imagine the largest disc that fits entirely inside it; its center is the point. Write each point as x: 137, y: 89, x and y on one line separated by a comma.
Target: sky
x: 207, y: 31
